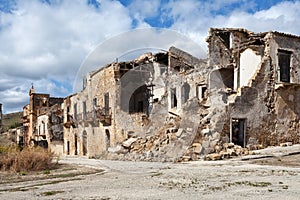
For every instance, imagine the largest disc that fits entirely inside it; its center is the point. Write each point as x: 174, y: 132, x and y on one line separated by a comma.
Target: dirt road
x: 82, y: 178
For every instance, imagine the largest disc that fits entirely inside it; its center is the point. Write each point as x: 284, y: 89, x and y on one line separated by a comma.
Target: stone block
x: 205, y: 131
x: 286, y: 144
x: 230, y: 145
x: 186, y: 158
x: 215, y: 156
x: 197, y: 148
x: 179, y: 132
x: 129, y: 142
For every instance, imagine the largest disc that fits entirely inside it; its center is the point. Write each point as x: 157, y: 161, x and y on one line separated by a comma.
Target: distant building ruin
x: 42, y: 121
x: 169, y: 105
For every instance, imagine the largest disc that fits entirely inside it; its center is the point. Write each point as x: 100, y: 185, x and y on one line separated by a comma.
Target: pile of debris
x: 162, y: 146
x: 221, y: 151
x: 229, y: 150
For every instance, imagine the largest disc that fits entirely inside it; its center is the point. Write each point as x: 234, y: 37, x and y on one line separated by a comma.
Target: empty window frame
x: 200, y: 92
x: 95, y: 102
x: 84, y: 110
x: 106, y: 103
x: 173, y: 98
x: 75, y: 111
x: 225, y: 37
x: 284, y: 59
x: 185, y: 92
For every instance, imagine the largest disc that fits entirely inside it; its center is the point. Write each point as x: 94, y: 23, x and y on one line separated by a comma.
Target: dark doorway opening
x: 76, y: 145
x: 84, y: 143
x: 238, y: 132
x: 107, y: 134
x: 173, y: 98
x: 139, y: 100
x: 68, y: 147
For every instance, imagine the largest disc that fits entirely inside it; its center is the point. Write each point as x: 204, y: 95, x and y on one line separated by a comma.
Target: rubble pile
x: 165, y: 145
x: 229, y: 150
x: 221, y: 151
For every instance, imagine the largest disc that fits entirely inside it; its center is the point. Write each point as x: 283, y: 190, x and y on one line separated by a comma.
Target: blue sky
x: 44, y: 42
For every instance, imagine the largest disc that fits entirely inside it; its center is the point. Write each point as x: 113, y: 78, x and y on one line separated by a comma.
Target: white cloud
x: 40, y: 41
x: 129, y: 45
x: 194, y: 18
x: 282, y: 17
x: 46, y: 43
x: 145, y: 9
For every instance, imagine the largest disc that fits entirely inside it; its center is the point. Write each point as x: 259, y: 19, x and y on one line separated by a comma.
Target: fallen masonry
x: 172, y: 106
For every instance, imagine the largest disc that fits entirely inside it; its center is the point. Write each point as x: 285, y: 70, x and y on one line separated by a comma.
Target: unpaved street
x: 268, y: 178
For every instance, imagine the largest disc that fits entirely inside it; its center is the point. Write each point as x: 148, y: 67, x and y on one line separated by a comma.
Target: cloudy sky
x: 45, y: 42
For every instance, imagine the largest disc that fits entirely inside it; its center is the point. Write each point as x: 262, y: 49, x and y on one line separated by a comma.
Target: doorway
x: 84, y: 143
x: 107, y: 134
x: 76, y: 152
x: 238, y: 132
x: 68, y: 147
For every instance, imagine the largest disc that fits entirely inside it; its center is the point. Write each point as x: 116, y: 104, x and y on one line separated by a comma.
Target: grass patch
x: 47, y: 171
x: 12, y: 120
x: 253, y: 184
x: 50, y: 193
x: 24, y: 160
x: 22, y: 173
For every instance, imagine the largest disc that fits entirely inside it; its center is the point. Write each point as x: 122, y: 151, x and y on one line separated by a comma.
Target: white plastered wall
x: 249, y: 62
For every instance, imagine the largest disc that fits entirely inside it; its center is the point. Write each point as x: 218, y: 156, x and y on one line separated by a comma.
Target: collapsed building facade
x: 258, y: 82
x: 43, y: 122
x: 127, y: 101
x: 169, y: 105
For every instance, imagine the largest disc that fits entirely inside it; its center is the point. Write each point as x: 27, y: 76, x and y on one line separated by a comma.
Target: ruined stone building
x: 42, y: 121
x: 133, y: 99
x: 246, y: 92
x: 256, y: 85
x: 169, y: 105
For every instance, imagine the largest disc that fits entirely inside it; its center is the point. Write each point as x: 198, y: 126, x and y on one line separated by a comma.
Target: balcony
x: 104, y: 116
x: 70, y: 122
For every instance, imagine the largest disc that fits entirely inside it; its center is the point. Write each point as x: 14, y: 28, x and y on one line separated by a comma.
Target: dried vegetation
x: 14, y: 159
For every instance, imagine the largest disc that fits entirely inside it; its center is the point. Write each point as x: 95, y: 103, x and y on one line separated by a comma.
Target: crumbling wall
x: 168, y: 131
x: 289, y: 43
x: 288, y: 114
x: 189, y: 106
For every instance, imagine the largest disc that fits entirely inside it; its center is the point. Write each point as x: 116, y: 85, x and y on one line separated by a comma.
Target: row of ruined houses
x: 247, y: 91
